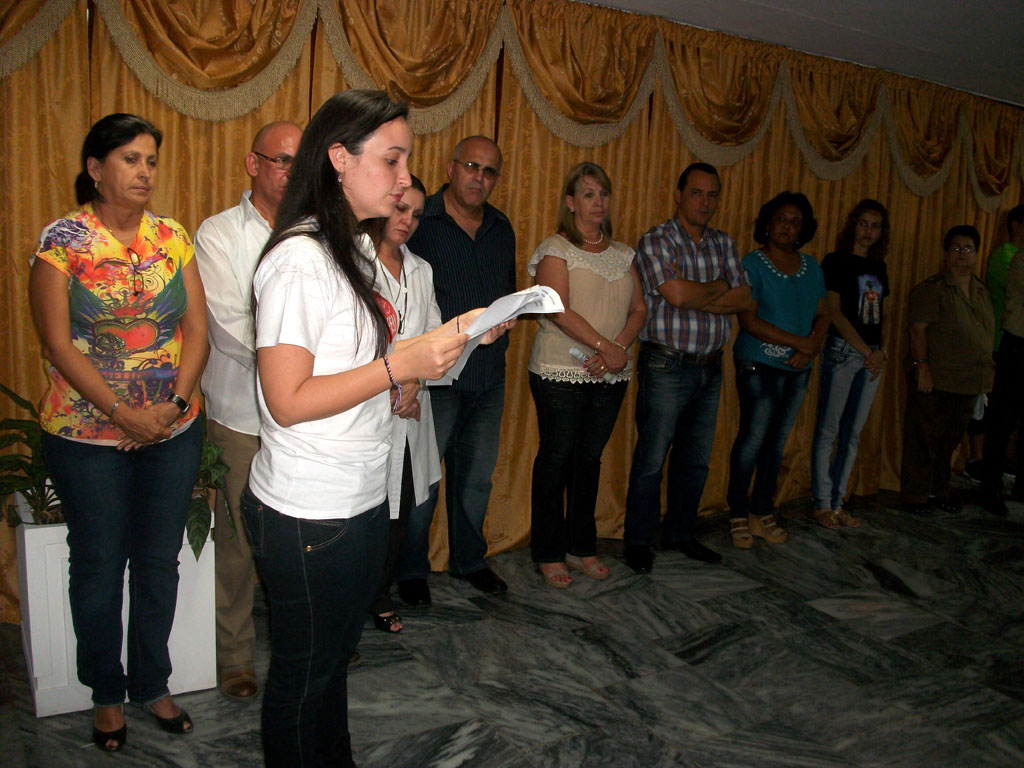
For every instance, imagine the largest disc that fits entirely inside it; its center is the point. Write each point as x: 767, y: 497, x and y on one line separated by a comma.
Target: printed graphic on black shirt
x: 869, y: 306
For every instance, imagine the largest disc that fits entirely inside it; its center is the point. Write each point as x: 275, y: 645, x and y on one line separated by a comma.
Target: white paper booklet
x: 538, y: 299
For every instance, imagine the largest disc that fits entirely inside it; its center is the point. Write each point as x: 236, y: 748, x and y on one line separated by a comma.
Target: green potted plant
x: 26, y: 473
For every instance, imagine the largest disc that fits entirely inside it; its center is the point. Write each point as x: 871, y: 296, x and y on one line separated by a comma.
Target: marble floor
x: 896, y: 644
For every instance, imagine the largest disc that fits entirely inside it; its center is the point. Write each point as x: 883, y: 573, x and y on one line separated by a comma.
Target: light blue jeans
x: 844, y: 402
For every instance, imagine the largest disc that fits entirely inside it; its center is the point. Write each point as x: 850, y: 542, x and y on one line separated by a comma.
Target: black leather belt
x: 678, y: 354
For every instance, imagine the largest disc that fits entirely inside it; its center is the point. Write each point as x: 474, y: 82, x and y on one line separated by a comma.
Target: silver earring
x: 339, y: 178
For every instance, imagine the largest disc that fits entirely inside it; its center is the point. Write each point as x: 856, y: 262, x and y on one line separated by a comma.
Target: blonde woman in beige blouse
x: 578, y: 402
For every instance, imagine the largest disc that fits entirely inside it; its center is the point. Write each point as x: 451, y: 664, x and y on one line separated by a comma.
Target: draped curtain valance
x: 586, y: 71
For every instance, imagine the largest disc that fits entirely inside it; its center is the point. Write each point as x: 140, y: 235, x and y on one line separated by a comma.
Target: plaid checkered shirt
x: 667, y: 252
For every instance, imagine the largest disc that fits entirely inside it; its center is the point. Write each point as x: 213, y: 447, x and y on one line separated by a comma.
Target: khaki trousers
x: 235, y: 572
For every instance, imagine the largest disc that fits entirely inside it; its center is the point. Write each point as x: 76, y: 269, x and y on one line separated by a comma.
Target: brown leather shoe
x: 240, y: 686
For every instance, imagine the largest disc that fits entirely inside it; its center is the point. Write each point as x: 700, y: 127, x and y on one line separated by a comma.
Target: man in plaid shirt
x: 693, y: 282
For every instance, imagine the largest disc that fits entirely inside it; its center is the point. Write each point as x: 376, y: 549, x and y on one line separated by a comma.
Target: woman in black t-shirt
x: 857, y: 286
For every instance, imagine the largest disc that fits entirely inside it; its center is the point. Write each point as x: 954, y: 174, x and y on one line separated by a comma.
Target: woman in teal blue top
x: 781, y: 333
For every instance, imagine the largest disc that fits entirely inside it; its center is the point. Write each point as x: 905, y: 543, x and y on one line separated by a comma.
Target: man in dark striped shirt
x: 693, y: 282
x: 472, y: 249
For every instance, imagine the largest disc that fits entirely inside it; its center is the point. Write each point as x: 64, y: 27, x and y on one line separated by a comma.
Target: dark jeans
x: 320, y: 576
x: 770, y: 399
x: 1005, y: 407
x: 468, y: 430
x: 124, y: 507
x: 396, y: 533
x: 933, y: 425
x: 676, y: 407
x: 574, y: 422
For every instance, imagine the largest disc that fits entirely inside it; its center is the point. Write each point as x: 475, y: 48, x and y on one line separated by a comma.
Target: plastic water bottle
x: 578, y: 353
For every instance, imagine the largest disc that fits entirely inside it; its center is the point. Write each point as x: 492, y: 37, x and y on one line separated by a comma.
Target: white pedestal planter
x: 48, y: 635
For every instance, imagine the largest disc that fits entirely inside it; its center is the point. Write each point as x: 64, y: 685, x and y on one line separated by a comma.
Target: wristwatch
x: 181, y: 402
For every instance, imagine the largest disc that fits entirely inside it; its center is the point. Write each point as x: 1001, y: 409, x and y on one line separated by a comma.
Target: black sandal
x: 102, y: 739
x: 180, y: 724
x: 385, y: 623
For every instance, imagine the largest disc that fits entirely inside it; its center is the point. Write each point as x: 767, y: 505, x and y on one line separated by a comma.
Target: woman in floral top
x: 578, y: 400
x: 119, y: 307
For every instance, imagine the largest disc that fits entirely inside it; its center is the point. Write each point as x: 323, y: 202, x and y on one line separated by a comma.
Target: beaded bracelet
x: 394, y: 385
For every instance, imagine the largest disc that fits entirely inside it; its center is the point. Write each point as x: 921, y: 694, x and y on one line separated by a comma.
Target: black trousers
x: 1005, y: 408
x: 933, y: 425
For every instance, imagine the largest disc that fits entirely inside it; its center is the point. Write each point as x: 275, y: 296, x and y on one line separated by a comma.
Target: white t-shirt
x: 328, y: 468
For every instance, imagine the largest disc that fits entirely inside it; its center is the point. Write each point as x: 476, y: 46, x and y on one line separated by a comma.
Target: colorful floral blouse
x: 125, y: 304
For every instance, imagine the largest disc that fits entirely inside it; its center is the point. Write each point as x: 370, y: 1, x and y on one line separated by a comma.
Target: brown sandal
x: 826, y: 518
x: 766, y: 527
x: 740, y: 533
x: 846, y: 518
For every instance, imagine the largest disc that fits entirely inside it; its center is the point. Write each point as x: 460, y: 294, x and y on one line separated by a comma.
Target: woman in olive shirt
x: 951, y: 331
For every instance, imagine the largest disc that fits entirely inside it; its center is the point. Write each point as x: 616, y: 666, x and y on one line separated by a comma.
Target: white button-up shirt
x: 227, y: 248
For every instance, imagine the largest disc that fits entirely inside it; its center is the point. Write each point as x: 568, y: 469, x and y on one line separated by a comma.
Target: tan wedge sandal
x: 766, y: 527
x: 740, y: 533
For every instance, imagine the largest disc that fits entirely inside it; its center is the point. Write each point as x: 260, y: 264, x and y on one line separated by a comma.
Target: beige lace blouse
x: 600, y: 290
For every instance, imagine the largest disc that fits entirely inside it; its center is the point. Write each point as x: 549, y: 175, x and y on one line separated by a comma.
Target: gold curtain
x: 212, y: 44
x: 587, y: 62
x: 670, y: 94
x: 835, y: 103
x: 927, y: 120
x: 15, y: 14
x: 418, y: 52
x: 725, y: 91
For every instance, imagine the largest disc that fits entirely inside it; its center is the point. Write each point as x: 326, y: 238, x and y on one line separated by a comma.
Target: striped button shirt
x: 667, y: 252
x: 469, y: 273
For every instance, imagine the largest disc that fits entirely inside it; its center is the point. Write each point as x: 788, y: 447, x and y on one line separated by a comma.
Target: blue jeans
x: 320, y: 576
x: 124, y: 507
x: 574, y: 422
x: 770, y: 399
x: 468, y: 430
x: 676, y: 407
x: 844, y: 401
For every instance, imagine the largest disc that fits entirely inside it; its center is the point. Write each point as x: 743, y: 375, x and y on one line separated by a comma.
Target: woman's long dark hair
x: 314, y: 192
x: 878, y: 249
x: 107, y: 134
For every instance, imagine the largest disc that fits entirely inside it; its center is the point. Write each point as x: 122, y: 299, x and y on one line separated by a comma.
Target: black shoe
x: 180, y: 724
x: 915, y: 507
x: 638, y: 557
x: 992, y: 501
x: 487, y: 581
x: 975, y: 470
x: 946, y: 504
x: 414, y: 592
x: 694, y: 550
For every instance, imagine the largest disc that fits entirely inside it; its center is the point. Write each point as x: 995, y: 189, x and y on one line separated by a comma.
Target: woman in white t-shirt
x: 316, y: 505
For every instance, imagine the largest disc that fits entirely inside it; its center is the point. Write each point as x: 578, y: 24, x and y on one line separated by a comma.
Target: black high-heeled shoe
x: 103, y: 739
x: 110, y: 741
x: 181, y: 723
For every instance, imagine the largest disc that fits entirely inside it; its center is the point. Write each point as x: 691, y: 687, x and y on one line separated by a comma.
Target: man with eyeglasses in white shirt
x: 228, y: 246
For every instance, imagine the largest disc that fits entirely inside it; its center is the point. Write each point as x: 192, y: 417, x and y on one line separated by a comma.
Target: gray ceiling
x: 971, y: 45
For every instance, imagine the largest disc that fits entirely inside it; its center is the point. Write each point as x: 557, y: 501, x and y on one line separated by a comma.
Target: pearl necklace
x: 593, y: 242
